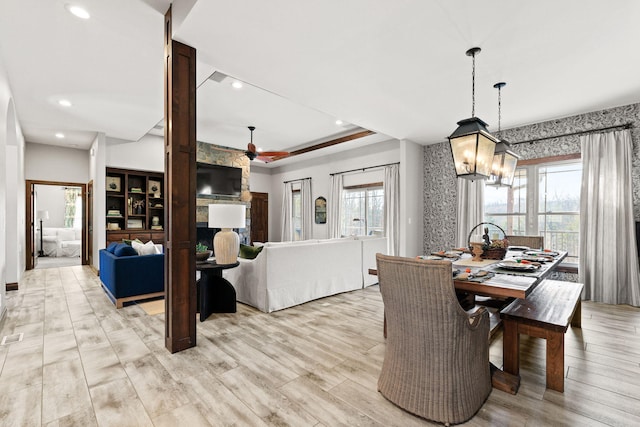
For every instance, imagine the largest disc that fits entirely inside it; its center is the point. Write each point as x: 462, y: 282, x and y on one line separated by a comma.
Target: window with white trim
x: 363, y: 210
x: 544, y: 200
x: 296, y: 213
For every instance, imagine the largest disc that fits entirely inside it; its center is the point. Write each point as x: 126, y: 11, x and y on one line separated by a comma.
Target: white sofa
x: 61, y: 242
x: 285, y: 274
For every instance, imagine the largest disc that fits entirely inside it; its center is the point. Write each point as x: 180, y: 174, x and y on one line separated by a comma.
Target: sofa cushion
x: 249, y: 252
x: 66, y: 234
x: 112, y: 247
x: 124, y: 250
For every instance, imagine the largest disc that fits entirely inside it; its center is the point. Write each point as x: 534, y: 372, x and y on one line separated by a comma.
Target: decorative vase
x: 155, y: 221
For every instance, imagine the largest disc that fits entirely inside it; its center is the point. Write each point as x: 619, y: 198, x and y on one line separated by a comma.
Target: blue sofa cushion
x: 112, y: 247
x: 122, y: 249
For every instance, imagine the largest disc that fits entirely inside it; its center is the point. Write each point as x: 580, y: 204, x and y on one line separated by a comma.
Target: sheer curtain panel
x: 334, y: 206
x: 286, y: 233
x: 608, y: 257
x: 470, y: 208
x: 392, y: 207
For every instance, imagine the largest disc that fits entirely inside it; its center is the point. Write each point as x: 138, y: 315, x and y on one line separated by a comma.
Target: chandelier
x: 505, y: 161
x: 472, y: 146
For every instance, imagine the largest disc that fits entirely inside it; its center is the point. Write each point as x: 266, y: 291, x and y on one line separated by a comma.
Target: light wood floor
x: 84, y: 363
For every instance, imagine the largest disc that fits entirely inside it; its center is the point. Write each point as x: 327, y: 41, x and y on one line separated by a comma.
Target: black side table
x: 215, y: 293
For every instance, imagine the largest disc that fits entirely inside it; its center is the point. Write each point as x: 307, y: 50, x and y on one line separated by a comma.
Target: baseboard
x: 12, y: 286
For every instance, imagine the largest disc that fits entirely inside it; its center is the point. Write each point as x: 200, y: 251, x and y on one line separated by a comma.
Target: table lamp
x: 226, y: 243
x: 42, y: 215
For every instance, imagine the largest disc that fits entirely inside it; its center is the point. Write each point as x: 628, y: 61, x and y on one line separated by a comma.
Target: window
x: 72, y: 207
x: 296, y: 214
x: 544, y: 200
x: 363, y: 210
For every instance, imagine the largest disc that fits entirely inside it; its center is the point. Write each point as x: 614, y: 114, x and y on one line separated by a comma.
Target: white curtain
x: 334, y: 206
x: 392, y: 208
x: 307, y: 209
x: 286, y: 233
x: 608, y: 257
x: 470, y: 210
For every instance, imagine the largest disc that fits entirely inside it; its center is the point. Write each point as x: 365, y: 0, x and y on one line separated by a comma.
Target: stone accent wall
x: 225, y: 156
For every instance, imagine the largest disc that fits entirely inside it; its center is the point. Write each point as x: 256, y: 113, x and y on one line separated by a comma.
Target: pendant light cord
x: 499, y: 106
x: 473, y: 85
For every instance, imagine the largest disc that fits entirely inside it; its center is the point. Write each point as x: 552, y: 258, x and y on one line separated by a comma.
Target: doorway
x: 56, y: 221
x: 259, y: 217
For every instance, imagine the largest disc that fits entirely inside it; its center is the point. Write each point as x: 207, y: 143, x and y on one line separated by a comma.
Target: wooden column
x: 180, y: 192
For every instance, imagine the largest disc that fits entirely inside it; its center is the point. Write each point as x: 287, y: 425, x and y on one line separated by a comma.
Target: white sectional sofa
x: 285, y: 274
x: 61, y: 242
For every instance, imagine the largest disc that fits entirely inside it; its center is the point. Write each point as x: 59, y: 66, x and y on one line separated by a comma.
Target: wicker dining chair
x: 436, y: 362
x: 533, y: 242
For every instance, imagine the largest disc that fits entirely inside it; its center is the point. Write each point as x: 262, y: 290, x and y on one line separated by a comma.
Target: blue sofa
x: 131, y: 278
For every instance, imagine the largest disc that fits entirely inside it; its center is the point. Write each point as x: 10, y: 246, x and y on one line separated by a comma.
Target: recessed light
x: 339, y: 122
x: 64, y: 103
x: 236, y: 84
x: 78, y: 11
x: 259, y: 150
x: 59, y: 135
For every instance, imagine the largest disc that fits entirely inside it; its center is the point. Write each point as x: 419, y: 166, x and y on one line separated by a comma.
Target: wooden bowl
x: 203, y: 256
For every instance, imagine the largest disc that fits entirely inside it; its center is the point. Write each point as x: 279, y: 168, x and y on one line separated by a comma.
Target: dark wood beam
x: 328, y: 143
x: 180, y: 192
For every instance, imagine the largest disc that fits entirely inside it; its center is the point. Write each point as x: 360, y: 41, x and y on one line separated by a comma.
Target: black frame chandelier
x: 472, y: 146
x: 504, y: 160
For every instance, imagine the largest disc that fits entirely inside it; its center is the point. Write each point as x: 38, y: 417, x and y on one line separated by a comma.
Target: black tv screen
x: 216, y: 180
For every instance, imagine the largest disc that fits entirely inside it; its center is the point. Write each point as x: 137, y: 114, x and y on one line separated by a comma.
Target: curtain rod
x: 623, y: 126
x: 294, y: 180
x: 363, y: 169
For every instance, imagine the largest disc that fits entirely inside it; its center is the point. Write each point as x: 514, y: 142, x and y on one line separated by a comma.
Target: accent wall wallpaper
x: 440, y: 180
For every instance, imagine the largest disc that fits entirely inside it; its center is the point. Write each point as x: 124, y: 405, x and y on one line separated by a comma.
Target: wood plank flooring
x: 84, y: 363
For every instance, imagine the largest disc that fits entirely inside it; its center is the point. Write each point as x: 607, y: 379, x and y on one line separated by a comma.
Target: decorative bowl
x: 203, y: 256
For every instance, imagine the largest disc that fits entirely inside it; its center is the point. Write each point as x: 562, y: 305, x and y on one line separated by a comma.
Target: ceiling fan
x: 264, y: 156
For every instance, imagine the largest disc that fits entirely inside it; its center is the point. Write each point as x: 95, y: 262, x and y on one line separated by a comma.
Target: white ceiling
x: 398, y: 68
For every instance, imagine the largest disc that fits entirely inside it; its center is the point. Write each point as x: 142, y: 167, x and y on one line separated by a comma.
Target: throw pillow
x: 124, y: 250
x: 143, y: 248
x: 128, y: 241
x: 249, y: 252
x: 112, y: 247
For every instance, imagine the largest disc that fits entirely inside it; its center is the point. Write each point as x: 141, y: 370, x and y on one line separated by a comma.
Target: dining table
x: 503, y: 278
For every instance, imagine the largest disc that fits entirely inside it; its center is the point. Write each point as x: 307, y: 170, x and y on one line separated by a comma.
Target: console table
x: 215, y: 293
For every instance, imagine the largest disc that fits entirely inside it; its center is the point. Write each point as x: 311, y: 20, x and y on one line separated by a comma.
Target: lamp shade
x: 227, y: 216
x: 43, y: 214
x: 504, y: 165
x: 472, y: 147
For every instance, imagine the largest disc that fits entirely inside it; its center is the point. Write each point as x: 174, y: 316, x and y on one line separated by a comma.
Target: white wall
x: 145, y: 154
x: 319, y: 170
x: 411, y: 198
x: 52, y: 163
x: 259, y: 179
x: 97, y: 172
x: 11, y: 202
x: 50, y: 198
x: 408, y: 153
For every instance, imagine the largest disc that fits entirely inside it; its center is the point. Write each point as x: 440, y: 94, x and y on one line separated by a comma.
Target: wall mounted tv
x: 217, y: 180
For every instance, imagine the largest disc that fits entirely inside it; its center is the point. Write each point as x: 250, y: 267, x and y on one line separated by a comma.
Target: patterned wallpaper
x: 440, y: 181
